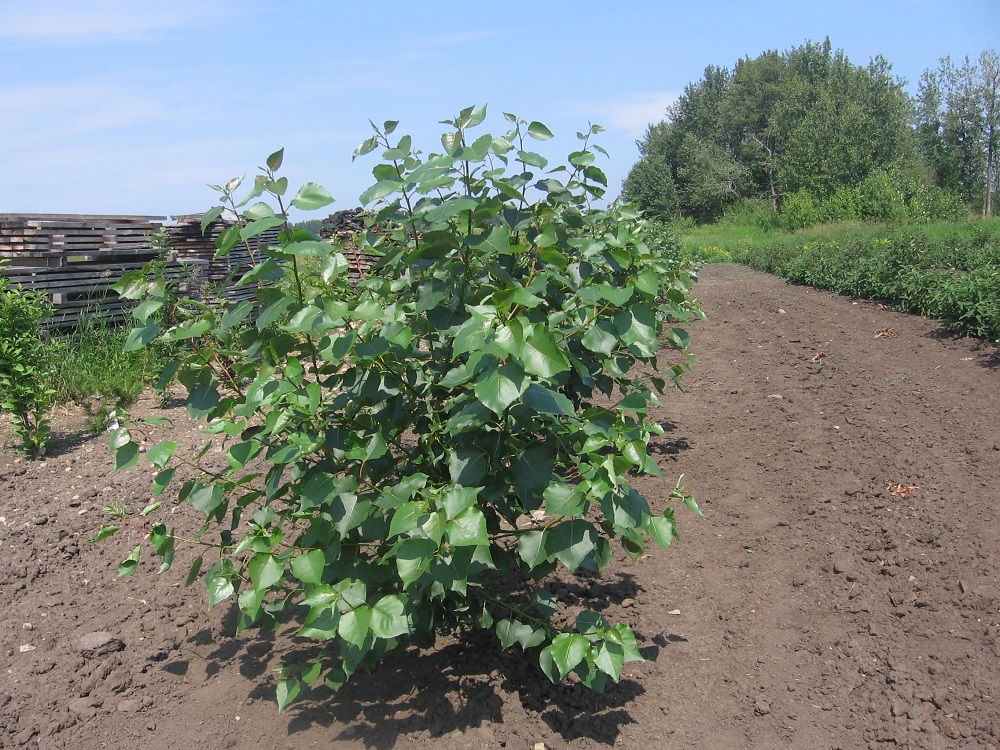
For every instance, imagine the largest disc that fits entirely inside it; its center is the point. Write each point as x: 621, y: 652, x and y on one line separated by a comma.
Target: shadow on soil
x: 669, y: 444
x: 988, y: 355
x: 458, y: 687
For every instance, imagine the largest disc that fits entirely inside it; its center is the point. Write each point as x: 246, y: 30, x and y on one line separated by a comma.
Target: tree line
x: 808, y: 134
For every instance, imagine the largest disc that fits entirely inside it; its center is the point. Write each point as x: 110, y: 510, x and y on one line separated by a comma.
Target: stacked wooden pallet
x: 212, y: 278
x: 75, y: 258
x: 343, y: 228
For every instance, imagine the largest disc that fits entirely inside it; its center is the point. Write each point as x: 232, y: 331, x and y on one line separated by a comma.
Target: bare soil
x: 842, y: 590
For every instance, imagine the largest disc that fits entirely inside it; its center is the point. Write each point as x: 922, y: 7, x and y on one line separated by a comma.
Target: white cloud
x: 632, y: 113
x: 72, y: 21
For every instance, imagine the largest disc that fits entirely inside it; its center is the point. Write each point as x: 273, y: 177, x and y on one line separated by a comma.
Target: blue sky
x: 128, y: 106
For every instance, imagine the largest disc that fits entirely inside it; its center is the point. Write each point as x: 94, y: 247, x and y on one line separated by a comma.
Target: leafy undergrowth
x: 946, y: 271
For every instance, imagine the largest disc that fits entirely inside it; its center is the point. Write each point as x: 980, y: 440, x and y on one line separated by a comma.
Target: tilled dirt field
x: 842, y: 590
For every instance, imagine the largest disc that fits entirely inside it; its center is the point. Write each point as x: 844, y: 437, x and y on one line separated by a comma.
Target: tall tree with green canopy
x: 802, y: 120
x: 958, y: 127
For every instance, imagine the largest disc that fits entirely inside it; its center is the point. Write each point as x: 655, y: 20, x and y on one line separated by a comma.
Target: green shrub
x: 799, y: 210
x: 951, y: 275
x: 751, y: 212
x: 24, y: 365
x: 423, y: 457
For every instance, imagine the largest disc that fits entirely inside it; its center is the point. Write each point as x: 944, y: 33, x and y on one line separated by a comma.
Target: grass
x: 90, y: 364
x: 711, y: 243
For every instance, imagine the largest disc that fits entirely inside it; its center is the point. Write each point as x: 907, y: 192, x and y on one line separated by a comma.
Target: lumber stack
x: 75, y: 258
x: 210, y: 278
x: 342, y: 228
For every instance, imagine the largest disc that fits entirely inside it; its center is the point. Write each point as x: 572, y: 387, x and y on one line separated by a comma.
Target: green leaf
x: 663, y: 528
x: 413, y: 558
x: 626, y: 511
x: 622, y: 635
x: 274, y: 160
x: 467, y: 465
x: 616, y: 295
x: 501, y: 387
x: 532, y: 472
x: 531, y: 548
x: 568, y: 650
x: 209, y: 216
x: 220, y: 587
x: 546, y: 401
x: 265, y: 571
x: 161, y: 480
x: 407, y: 518
x: 272, y: 311
x: 381, y: 189
x: 456, y: 500
x: 236, y: 314
x: 309, y: 567
x: 287, y: 691
x: 542, y: 356
x: 202, y: 401
x: 141, y: 336
x: 562, y: 499
x: 309, y: 248
x: 610, y: 658
x: 451, y: 207
x: 312, y: 196
x: 471, y: 116
x: 512, y: 631
x: 146, y: 308
x: 304, y: 321
x: 239, y: 454
x: 126, y: 456
x: 571, y: 542
x: 160, y: 453
x: 260, y: 226
x: 132, y: 285
x: 348, y: 512
x: 366, y: 147
x: 589, y: 622
x: 389, y: 617
x: 206, y: 498
x: 195, y: 569
x: 227, y: 240
x: 539, y: 132
x: 467, y: 529
x: 127, y: 566
x: 600, y: 338
x: 532, y: 159
x: 355, y: 624
x: 679, y: 338
x: 104, y: 533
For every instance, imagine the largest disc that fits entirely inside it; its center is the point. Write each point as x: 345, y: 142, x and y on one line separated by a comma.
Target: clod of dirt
x: 129, y: 706
x: 100, y: 643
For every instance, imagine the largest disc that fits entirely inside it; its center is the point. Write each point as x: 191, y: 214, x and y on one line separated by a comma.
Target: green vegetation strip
x: 949, y: 272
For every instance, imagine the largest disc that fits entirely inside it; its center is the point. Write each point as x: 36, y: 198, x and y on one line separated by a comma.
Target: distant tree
x: 650, y: 182
x: 989, y: 66
x: 649, y: 185
x: 802, y: 120
x: 958, y: 127
x: 708, y: 178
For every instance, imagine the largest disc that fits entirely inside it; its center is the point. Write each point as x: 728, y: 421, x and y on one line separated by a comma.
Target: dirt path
x: 841, y: 592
